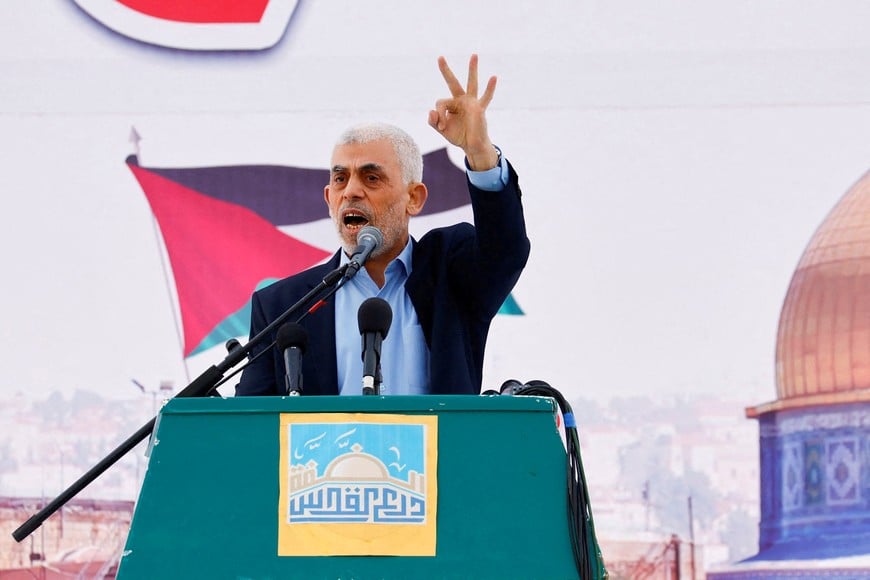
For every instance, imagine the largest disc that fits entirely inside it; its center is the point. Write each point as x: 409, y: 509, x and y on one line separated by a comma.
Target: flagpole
x: 135, y: 139
x: 172, y: 305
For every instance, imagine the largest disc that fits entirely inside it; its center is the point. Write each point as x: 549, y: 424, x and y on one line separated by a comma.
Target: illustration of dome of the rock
x: 357, y: 466
x: 814, y: 438
x: 823, y: 341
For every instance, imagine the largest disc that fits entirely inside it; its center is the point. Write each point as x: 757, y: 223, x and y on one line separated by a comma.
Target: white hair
x: 407, y: 151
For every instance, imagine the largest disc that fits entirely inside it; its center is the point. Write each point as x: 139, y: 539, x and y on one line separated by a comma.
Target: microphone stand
x: 372, y: 378
x: 201, y: 386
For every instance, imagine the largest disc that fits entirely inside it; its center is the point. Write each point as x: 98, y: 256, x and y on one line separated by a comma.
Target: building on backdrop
x: 815, y: 437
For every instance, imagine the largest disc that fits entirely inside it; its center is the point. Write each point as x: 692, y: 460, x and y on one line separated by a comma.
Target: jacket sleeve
x: 258, y: 378
x: 487, y: 265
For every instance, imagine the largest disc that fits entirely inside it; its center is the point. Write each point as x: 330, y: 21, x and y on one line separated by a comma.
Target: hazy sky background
x: 675, y: 158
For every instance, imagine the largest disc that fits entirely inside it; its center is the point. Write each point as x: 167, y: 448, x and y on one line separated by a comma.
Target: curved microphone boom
x: 374, y: 318
x: 292, y: 340
x: 368, y: 240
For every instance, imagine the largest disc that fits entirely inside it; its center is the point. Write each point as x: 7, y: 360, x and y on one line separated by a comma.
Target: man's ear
x: 417, y: 194
x: 326, y: 194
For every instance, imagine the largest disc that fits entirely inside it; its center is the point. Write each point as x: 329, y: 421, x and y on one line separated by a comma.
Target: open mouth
x: 354, y: 220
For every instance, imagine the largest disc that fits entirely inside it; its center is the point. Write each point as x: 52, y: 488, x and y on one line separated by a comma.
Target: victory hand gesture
x: 461, y: 119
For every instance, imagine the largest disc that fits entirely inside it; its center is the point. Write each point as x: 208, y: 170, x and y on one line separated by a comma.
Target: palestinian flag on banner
x: 225, y: 232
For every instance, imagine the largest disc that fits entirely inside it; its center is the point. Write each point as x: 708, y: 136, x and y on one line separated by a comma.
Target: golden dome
x: 823, y: 342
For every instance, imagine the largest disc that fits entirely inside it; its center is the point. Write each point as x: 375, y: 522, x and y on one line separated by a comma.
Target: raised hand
x: 461, y: 119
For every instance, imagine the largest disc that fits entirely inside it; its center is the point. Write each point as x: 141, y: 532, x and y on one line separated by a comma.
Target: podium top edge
x: 362, y: 404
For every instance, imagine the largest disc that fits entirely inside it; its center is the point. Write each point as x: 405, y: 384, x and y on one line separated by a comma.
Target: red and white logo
x: 196, y: 24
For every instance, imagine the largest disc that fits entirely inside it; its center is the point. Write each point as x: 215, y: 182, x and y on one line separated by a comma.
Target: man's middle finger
x: 472, y: 76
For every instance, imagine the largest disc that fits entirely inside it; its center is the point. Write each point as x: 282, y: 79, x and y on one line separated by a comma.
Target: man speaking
x: 443, y: 289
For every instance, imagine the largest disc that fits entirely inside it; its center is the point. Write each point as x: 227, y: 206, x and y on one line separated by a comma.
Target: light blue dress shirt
x: 404, y: 354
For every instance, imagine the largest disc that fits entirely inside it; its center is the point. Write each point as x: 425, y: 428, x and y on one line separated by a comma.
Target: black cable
x: 581, y: 527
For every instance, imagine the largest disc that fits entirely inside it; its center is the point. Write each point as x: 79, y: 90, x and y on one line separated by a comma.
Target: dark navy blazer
x: 461, y: 276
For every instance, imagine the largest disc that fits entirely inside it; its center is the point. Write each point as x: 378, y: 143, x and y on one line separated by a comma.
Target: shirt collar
x: 404, y: 258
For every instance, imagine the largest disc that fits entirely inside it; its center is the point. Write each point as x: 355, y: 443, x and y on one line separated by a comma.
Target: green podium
x: 353, y: 487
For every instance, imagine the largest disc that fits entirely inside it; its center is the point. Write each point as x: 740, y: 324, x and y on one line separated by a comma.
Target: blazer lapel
x: 321, y: 337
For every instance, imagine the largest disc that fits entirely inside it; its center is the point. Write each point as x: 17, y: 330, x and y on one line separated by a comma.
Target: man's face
x: 366, y: 188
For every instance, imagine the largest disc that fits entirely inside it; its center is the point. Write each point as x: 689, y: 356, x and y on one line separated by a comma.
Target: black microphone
x: 374, y: 318
x: 292, y: 340
x: 368, y: 240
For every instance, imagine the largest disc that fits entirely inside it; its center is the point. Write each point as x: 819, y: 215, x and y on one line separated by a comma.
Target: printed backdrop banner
x: 222, y: 231
x: 194, y: 24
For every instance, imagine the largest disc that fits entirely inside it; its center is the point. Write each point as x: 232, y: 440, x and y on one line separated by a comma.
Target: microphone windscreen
x: 372, y: 233
x: 374, y: 315
x: 291, y: 334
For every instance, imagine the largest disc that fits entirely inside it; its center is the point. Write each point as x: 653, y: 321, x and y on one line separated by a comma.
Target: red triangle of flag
x: 219, y: 252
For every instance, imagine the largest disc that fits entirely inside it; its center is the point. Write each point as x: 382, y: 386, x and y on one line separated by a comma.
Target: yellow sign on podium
x: 358, y: 484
